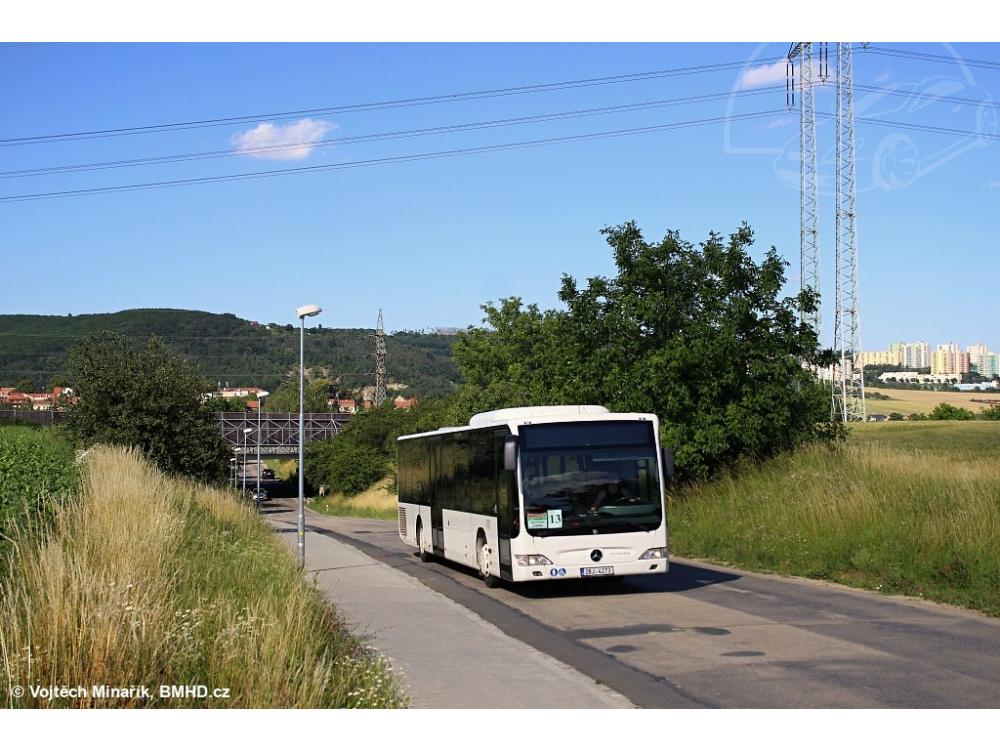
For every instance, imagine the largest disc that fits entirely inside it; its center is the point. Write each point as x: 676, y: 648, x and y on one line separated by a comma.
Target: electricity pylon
x: 379, y: 362
x: 848, y: 402
x: 809, y: 71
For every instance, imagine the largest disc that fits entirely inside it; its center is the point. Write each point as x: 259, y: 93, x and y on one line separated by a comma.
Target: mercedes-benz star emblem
x: 596, y: 555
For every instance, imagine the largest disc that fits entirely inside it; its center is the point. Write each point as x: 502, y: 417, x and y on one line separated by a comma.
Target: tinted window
x: 586, y: 435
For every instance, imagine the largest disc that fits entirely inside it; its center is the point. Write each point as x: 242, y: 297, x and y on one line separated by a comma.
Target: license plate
x: 605, y: 570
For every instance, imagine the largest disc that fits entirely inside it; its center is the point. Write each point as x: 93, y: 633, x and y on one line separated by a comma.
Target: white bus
x: 538, y: 493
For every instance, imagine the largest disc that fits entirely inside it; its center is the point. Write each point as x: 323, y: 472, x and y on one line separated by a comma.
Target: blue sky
x: 429, y: 241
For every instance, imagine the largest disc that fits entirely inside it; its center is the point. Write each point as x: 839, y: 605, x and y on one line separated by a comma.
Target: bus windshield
x: 590, y: 478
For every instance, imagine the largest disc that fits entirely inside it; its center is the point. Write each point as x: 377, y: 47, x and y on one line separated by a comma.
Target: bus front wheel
x: 483, y: 558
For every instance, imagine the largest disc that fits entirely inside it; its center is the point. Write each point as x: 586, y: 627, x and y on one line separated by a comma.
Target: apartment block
x: 894, y: 358
x: 948, y: 359
x: 912, y: 355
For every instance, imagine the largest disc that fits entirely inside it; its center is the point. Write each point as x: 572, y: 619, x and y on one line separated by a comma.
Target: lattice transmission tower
x: 812, y: 70
x: 849, y: 384
x: 379, y: 361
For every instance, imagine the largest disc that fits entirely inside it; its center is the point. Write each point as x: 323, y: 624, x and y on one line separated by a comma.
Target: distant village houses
x: 58, y: 399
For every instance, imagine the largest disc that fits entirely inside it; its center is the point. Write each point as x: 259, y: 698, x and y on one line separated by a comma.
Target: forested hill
x: 227, y: 348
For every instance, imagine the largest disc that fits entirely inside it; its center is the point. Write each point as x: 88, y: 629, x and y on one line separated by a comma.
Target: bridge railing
x: 278, y: 429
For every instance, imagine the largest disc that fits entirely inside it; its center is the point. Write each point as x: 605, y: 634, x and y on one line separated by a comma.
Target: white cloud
x: 884, y: 76
x: 267, y: 140
x: 762, y: 75
x: 779, y: 123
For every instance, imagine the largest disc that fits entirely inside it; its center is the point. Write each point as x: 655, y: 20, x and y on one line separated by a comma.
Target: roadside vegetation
x: 149, y: 579
x: 148, y: 399
x: 36, y: 470
x: 909, y: 508
x: 377, y: 501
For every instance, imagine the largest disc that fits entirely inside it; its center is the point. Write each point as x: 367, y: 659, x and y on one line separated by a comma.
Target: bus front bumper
x: 594, y: 571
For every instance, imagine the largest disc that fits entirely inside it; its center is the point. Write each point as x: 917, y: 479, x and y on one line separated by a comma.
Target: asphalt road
x: 704, y: 635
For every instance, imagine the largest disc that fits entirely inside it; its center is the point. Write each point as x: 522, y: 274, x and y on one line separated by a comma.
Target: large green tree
x: 699, y: 335
x: 146, y: 398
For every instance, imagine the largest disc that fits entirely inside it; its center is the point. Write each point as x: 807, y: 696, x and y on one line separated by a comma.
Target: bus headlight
x: 532, y: 560
x: 656, y: 553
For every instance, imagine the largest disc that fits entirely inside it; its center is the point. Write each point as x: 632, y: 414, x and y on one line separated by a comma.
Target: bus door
x: 508, y: 517
x: 436, y: 495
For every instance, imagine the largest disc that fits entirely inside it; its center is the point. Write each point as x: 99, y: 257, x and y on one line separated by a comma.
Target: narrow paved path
x: 448, y: 656
x: 712, y: 636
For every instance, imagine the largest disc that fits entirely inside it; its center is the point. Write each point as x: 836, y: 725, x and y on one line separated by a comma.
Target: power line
x: 387, y: 104
x: 391, y: 135
x: 923, y: 95
x: 930, y: 57
x: 917, y: 126
x: 388, y: 160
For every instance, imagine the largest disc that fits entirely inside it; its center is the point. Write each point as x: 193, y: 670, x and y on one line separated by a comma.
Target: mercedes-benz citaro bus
x: 538, y: 494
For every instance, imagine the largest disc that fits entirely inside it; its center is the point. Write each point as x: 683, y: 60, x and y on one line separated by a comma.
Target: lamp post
x: 236, y: 466
x: 260, y: 408
x: 246, y: 433
x: 306, y: 311
x: 232, y: 466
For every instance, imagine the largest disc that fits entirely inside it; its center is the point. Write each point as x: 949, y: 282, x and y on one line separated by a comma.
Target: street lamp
x: 260, y: 408
x: 236, y: 465
x: 246, y: 432
x: 232, y: 466
x: 306, y: 311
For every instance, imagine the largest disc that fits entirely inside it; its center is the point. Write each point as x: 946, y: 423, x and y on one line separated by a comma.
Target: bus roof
x: 537, y: 415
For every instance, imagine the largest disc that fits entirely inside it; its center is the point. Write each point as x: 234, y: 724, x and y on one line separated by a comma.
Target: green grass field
x: 911, y: 508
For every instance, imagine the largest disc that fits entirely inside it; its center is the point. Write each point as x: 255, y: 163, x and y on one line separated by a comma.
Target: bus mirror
x: 668, y: 462
x: 510, y: 453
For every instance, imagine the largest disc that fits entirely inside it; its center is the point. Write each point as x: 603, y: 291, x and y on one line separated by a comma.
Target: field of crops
x: 921, y: 402
x: 35, y: 465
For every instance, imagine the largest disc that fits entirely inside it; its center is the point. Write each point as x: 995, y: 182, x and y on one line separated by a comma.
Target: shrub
x: 149, y: 399
x: 993, y: 413
x: 947, y: 411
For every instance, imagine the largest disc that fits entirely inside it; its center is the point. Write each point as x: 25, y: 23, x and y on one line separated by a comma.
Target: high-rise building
x: 976, y: 353
x: 989, y: 365
x: 913, y: 355
x: 947, y: 359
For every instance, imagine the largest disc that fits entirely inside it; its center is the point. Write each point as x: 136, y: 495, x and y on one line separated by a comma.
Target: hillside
x: 229, y: 349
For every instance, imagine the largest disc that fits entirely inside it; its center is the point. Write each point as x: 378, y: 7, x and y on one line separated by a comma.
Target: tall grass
x: 150, y: 580
x: 378, y: 501
x: 907, y: 508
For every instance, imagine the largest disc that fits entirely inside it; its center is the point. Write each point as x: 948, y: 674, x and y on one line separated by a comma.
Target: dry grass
x: 922, y: 402
x: 149, y: 580
x: 378, y: 501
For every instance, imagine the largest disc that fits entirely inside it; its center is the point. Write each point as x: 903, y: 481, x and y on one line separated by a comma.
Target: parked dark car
x: 267, y: 473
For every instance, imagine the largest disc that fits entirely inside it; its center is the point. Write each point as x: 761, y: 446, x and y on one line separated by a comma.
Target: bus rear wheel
x: 483, y: 559
x: 425, y: 556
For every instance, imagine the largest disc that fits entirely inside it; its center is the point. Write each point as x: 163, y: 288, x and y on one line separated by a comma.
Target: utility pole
x: 848, y: 402
x: 379, y: 361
